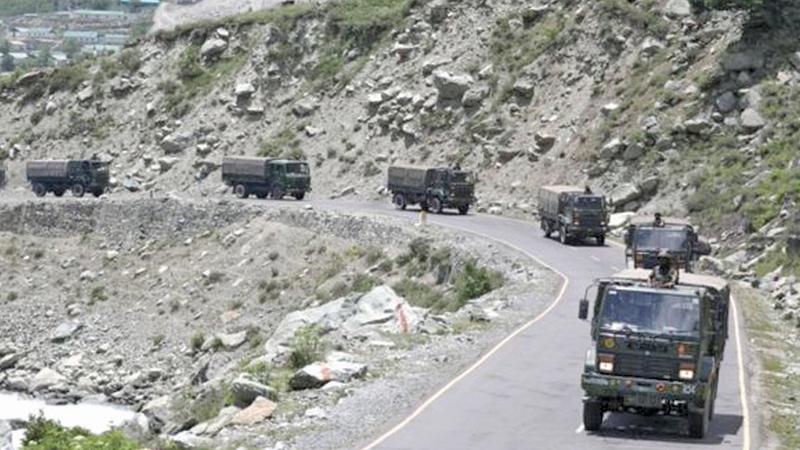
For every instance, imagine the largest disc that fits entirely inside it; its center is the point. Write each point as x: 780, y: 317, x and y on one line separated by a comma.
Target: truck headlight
x: 605, y: 363
x: 686, y: 372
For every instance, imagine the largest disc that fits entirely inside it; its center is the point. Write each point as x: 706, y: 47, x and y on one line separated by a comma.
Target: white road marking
x: 615, y: 268
x: 595, y: 258
x: 489, y: 354
x: 579, y: 430
x: 742, y: 381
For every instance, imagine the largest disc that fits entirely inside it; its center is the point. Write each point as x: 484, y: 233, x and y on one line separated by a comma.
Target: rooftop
x: 100, y: 13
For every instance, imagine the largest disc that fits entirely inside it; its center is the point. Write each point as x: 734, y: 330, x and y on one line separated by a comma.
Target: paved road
x: 527, y: 395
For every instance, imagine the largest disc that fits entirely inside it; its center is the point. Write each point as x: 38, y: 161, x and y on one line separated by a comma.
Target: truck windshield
x: 461, y: 177
x: 301, y: 169
x: 587, y: 202
x: 658, y: 238
x: 651, y: 312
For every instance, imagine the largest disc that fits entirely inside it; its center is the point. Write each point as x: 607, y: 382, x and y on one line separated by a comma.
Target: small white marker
x: 595, y: 258
x: 579, y: 430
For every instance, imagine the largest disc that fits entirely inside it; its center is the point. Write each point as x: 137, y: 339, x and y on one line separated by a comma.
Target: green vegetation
x: 514, y: 49
x: 645, y: 16
x: 307, y: 347
x: 423, y: 296
x: 285, y: 144
x: 767, y: 336
x: 197, y: 341
x: 97, y: 294
x: 44, y: 434
x: 473, y: 281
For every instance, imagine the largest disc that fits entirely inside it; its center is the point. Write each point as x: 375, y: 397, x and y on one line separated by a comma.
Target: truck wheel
x: 601, y: 240
x: 39, y: 189
x: 97, y: 192
x: 424, y: 206
x: 399, y: 201
x: 78, y: 190
x: 436, y: 205
x: 261, y: 195
x: 698, y: 424
x: 562, y: 235
x: 58, y: 192
x: 300, y: 195
x: 463, y: 210
x: 592, y: 415
x: 241, y: 191
x: 547, y: 230
x: 277, y: 193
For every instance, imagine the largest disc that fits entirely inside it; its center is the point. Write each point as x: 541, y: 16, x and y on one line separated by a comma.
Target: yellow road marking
x: 489, y: 354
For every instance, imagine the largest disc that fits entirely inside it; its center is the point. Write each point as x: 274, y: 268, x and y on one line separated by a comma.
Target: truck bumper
x: 630, y: 392
x: 579, y: 231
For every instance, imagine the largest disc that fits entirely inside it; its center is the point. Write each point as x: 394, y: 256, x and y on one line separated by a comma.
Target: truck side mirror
x: 583, y: 309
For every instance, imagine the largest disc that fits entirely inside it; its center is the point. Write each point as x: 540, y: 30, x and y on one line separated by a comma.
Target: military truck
x: 645, y: 237
x: 655, y: 349
x: 434, y: 189
x: 572, y: 212
x: 264, y: 177
x: 78, y: 176
x: 3, y: 178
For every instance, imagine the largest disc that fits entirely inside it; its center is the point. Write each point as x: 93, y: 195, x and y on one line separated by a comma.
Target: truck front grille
x: 645, y: 366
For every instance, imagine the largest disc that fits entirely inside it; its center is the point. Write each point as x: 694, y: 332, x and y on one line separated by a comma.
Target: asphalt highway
x: 526, y: 394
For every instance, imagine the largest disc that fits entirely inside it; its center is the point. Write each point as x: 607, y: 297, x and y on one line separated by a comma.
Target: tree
x: 44, y: 58
x: 71, y: 48
x: 6, y: 60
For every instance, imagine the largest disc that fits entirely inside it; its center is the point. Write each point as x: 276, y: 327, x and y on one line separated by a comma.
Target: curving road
x: 525, y: 393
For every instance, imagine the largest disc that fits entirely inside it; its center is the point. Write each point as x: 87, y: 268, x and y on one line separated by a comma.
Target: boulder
x: 523, y: 88
x: 244, y: 90
x: 176, y: 142
x: 234, y: 340
x: 131, y: 185
x: 633, y: 152
x: 46, y: 379
x: 382, y: 306
x: 619, y: 220
x: 245, y: 390
x: 505, y: 155
x: 474, y: 96
x: 65, y: 331
x: 260, y: 410
x: 5, y: 436
x: 697, y: 125
x: 451, y: 87
x: 318, y: 374
x: 752, y: 121
x: 678, y: 8
x: 544, y: 141
x: 610, y: 108
x: 85, y: 94
x: 166, y: 163
x: 745, y: 60
x: 726, y: 102
x: 612, y: 148
x: 651, y: 46
x: 212, y: 48
x: 625, y: 193
x: 327, y: 316
x: 304, y: 107
x: 9, y: 361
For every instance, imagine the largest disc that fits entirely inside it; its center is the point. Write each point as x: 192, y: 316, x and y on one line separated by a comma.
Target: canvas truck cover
x: 549, y: 197
x: 407, y: 177
x: 250, y: 167
x: 47, y: 169
x: 684, y: 279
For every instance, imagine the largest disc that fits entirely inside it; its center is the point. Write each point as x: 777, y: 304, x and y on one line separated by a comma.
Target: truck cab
x: 644, y: 238
x: 655, y: 350
x: 573, y: 213
x: 291, y: 177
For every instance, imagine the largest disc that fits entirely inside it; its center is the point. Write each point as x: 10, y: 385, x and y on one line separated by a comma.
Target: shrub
x: 98, y: 294
x: 158, y: 340
x: 473, y: 281
x: 44, y: 434
x: 131, y: 59
x: 197, y: 341
x: 214, y: 278
x: 307, y: 347
x: 364, y: 283
x: 11, y: 296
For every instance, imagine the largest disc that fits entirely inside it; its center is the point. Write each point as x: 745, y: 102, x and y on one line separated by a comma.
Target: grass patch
x: 284, y: 144
x: 473, y: 282
x: 644, y: 16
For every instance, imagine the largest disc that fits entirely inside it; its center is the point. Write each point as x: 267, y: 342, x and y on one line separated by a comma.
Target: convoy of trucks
x: 656, y: 345
x: 572, y: 212
x: 434, y: 189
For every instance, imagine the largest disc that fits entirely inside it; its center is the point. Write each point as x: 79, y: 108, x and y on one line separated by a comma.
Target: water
x: 95, y: 417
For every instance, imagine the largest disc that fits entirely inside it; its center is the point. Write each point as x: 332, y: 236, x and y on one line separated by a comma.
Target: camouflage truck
x: 645, y: 237
x: 433, y: 189
x: 77, y: 176
x: 264, y: 177
x: 573, y: 213
x: 655, y: 349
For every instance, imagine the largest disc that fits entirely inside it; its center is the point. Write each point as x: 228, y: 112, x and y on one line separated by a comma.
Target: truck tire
x: 562, y: 235
x: 97, y: 192
x: 299, y: 196
x: 547, y: 230
x: 601, y: 240
x: 592, y: 415
x: 261, y: 195
x: 399, y: 201
x: 463, y: 210
x: 436, y: 205
x: 241, y: 191
x: 698, y: 423
x: 58, y: 192
x: 78, y: 190
x: 39, y: 189
x: 277, y: 193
